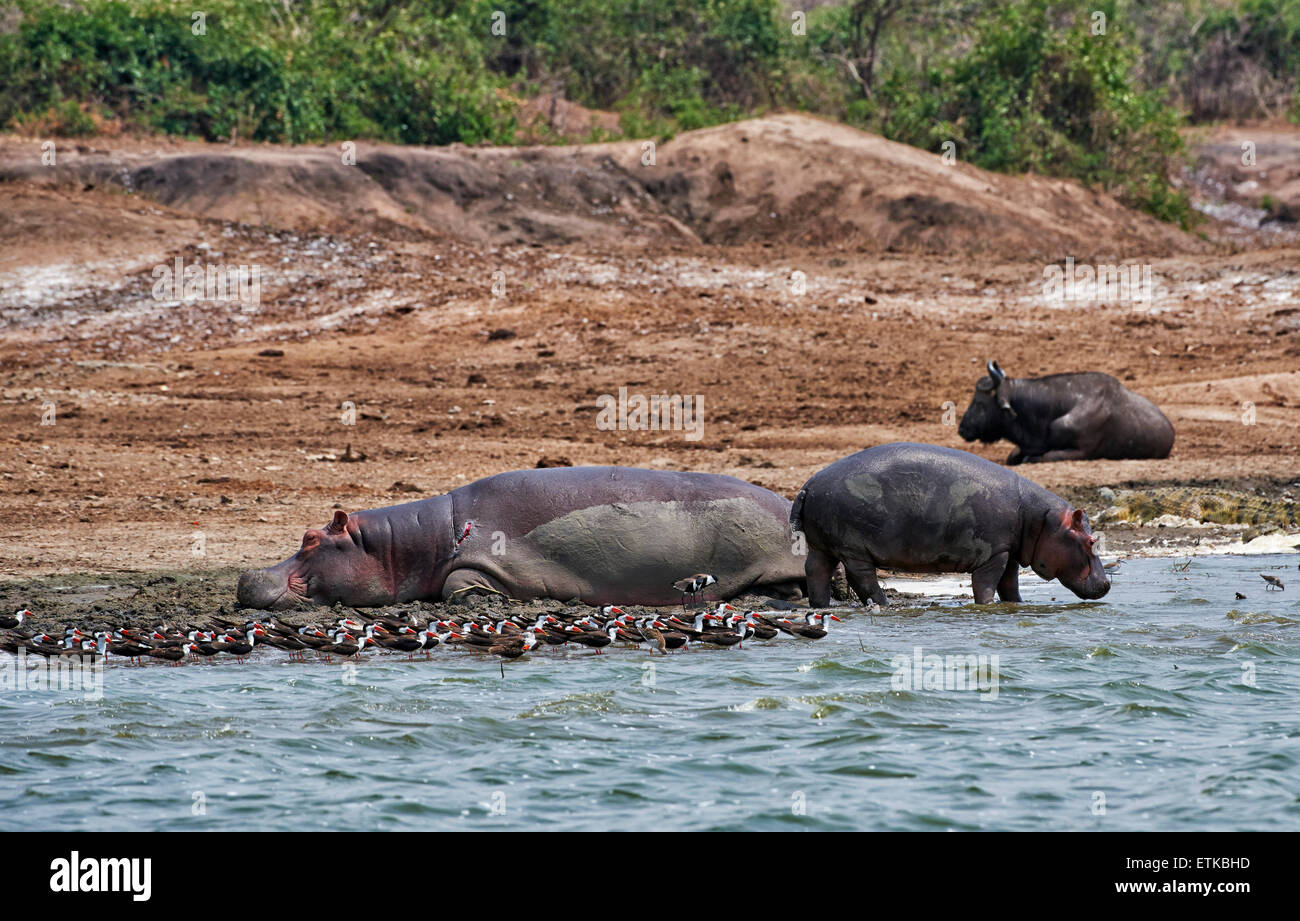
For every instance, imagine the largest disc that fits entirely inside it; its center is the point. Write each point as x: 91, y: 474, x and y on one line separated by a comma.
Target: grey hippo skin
x: 922, y: 508
x: 606, y: 535
x: 1084, y: 416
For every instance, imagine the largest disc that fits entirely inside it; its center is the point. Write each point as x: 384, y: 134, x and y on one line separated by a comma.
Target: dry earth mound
x: 785, y: 178
x: 802, y: 179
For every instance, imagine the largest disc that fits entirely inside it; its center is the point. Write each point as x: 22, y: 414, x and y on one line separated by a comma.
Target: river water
x: 1168, y: 705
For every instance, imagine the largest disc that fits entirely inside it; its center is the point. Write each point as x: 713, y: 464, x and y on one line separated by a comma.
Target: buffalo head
x: 990, y: 409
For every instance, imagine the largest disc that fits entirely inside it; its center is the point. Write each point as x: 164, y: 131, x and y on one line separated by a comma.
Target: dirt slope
x: 785, y: 178
x: 800, y: 179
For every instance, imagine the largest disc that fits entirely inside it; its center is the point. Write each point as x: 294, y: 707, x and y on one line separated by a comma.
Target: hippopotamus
x: 1081, y: 416
x: 605, y: 535
x: 923, y: 508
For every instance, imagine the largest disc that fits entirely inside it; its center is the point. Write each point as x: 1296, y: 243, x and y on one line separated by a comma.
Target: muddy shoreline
x: 205, y: 598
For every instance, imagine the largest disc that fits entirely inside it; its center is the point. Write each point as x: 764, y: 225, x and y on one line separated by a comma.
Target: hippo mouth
x: 1092, y: 593
x: 265, y: 590
x: 1090, y: 589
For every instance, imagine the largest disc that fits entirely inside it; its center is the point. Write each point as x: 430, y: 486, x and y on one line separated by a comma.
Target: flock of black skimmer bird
x: 350, y: 638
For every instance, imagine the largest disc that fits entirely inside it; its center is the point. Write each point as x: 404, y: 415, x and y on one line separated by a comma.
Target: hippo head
x: 990, y: 409
x: 1065, y: 551
x: 331, y: 565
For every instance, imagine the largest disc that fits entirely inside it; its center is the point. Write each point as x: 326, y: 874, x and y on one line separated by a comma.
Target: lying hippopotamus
x: 1082, y: 416
x: 605, y: 535
x: 922, y: 508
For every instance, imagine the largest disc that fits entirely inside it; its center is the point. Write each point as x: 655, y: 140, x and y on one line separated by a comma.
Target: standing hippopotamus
x: 922, y: 508
x: 1082, y: 416
x: 605, y: 535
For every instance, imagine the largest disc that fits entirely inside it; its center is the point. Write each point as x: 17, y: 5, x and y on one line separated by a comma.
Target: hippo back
x: 906, y: 503
x: 615, y: 534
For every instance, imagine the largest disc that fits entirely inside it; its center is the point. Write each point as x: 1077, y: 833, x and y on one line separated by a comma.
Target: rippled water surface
x: 1138, y: 712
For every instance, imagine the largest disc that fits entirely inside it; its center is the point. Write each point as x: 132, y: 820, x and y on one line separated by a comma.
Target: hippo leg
x: 1015, y: 457
x: 862, y: 579
x: 818, y: 568
x: 1009, y: 585
x: 988, y: 577
x: 464, y: 581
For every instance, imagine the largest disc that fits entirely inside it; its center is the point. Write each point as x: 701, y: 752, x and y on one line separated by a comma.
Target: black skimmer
x: 119, y: 645
x: 808, y: 630
x: 235, y: 647
x: 402, y: 643
x: 692, y: 630
x: 722, y: 636
x: 430, y: 638
x: 207, y: 650
x: 344, y: 644
x: 552, y: 633
x: 673, y: 639
x: 172, y: 654
x: 45, y: 645
x: 514, y: 650
x: 288, y: 642
x: 12, y: 623
x: 592, y: 639
x: 762, y: 627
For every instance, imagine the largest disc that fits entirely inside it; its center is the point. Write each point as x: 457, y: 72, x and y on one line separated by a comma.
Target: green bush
x: 1017, y: 84
x: 255, y: 74
x: 1039, y: 92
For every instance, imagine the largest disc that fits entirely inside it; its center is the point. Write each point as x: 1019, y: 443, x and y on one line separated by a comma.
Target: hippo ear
x: 995, y: 372
x: 1076, y: 520
x: 339, y: 524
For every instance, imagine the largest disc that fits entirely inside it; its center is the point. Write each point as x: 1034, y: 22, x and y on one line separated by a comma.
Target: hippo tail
x: 796, y: 511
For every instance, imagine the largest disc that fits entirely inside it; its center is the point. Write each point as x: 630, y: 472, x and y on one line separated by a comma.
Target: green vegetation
x: 259, y: 70
x: 1016, y: 84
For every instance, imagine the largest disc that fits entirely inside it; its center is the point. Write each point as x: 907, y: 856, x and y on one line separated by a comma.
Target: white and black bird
x: 16, y: 620
x: 693, y: 585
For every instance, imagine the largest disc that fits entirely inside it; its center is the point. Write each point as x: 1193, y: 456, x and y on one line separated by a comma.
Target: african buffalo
x: 1083, y: 416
